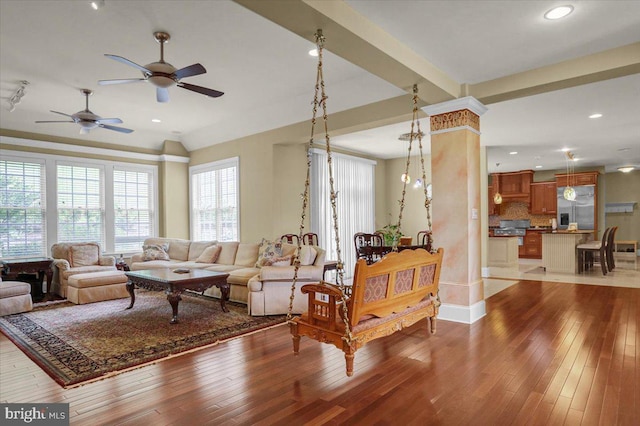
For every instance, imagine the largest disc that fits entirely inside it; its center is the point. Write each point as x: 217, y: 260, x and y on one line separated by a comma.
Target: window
x: 354, y: 182
x: 80, y: 204
x: 214, y: 201
x: 112, y: 203
x: 22, y: 209
x: 133, y: 208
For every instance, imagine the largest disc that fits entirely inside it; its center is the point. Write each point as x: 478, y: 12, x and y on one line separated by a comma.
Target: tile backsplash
x: 517, y: 210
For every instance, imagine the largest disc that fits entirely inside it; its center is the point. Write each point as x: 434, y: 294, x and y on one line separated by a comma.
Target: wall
x: 620, y: 188
x: 174, y: 200
x: 414, y: 216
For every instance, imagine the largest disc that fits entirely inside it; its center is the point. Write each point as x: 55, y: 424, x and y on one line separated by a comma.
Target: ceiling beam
x: 357, y: 40
x: 613, y: 63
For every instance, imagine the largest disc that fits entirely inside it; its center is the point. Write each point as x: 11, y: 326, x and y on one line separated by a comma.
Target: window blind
x: 354, y: 181
x: 214, y: 201
x: 22, y: 209
x: 80, y: 204
x: 133, y: 208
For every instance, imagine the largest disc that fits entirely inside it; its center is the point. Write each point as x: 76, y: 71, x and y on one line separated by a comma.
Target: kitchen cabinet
x: 513, y: 186
x: 544, y: 198
x: 577, y: 179
x: 532, y: 245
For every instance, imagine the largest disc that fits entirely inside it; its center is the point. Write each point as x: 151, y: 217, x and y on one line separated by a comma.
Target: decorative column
x: 456, y: 180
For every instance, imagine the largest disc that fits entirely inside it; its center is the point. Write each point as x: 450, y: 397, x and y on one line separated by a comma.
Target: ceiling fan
x: 88, y: 120
x: 162, y: 74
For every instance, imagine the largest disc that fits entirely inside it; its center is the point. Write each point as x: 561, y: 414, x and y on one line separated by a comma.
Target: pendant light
x: 569, y: 192
x: 495, y: 181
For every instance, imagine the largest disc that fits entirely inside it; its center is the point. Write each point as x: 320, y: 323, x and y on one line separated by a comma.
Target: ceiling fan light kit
x: 164, y: 75
x: 88, y: 120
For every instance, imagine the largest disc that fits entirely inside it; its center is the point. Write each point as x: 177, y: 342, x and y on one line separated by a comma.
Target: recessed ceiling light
x: 565, y: 150
x: 313, y: 52
x: 626, y: 169
x: 513, y: 152
x: 558, y: 12
x: 538, y: 166
x: 156, y: 120
x: 597, y: 115
x: 97, y: 4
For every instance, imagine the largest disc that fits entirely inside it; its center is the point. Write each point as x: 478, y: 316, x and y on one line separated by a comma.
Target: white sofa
x: 270, y: 290
x: 239, y: 261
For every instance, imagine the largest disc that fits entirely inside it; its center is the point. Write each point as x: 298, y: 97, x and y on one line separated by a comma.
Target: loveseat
x: 242, y: 261
x: 77, y: 258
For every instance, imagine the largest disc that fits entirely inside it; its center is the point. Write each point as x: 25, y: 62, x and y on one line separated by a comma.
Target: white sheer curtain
x: 354, y: 181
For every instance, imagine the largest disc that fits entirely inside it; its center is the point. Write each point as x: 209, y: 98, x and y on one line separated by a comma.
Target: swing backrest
x: 398, y: 281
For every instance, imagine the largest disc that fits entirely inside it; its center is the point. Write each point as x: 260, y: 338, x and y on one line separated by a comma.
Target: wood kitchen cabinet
x: 544, y: 198
x: 577, y: 179
x: 532, y: 247
x: 514, y: 184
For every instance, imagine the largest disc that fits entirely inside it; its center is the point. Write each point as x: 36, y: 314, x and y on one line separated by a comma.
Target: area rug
x: 79, y: 343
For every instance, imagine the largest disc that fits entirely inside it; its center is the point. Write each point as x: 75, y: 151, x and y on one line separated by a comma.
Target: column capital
x: 463, y: 113
x: 468, y: 102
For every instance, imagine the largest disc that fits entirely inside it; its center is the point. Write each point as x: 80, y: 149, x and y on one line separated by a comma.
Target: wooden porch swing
x: 387, y: 296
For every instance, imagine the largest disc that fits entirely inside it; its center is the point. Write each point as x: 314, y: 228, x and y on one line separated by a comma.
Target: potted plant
x: 391, y: 234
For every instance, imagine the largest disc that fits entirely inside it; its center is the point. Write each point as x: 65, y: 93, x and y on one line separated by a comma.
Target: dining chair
x: 369, y: 246
x: 424, y: 239
x: 290, y: 238
x: 586, y: 251
x: 611, y: 264
x: 310, y: 239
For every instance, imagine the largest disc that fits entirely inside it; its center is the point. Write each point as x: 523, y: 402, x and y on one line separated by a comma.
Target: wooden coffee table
x: 174, y: 284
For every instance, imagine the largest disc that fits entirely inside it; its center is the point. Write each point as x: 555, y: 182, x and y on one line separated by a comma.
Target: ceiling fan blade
x: 84, y: 130
x: 162, y: 94
x: 55, y: 121
x: 61, y: 113
x: 128, y: 62
x: 108, y: 121
x: 191, y: 70
x: 121, y: 81
x: 117, y: 129
x: 200, y: 89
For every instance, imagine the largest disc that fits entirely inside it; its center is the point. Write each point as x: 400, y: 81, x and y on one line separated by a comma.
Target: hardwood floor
x: 546, y: 353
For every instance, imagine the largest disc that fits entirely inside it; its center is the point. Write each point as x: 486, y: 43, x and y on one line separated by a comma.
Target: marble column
x: 456, y: 179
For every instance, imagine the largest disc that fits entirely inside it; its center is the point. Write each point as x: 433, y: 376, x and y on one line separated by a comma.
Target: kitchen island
x: 559, y: 250
x: 503, y: 252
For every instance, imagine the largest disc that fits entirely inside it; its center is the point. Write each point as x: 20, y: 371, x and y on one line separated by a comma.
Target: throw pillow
x: 84, y: 255
x: 210, y: 254
x: 268, y: 250
x: 154, y: 252
x: 307, y: 255
x: 278, y: 261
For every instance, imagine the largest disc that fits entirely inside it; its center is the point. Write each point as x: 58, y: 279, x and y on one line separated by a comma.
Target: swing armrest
x: 323, y: 287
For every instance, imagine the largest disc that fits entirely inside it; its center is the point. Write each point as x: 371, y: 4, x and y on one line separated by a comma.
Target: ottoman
x: 15, y: 297
x: 97, y: 287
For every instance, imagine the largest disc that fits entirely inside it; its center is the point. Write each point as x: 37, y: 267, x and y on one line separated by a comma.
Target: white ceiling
x: 268, y: 77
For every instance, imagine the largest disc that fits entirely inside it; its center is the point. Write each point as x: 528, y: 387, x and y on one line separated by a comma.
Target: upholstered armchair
x: 76, y: 258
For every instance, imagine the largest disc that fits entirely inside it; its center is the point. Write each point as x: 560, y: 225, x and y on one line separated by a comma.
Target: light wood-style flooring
x: 546, y: 353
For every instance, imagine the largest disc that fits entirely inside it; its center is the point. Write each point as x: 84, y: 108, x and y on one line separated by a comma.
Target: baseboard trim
x: 463, y: 314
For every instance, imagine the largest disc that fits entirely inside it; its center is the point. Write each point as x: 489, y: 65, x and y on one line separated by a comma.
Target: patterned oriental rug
x: 79, y: 343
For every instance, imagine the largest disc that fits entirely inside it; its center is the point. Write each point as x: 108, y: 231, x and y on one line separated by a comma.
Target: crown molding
x: 31, y: 143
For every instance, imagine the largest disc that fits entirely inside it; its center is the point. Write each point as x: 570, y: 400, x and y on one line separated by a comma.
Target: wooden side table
x: 40, y: 266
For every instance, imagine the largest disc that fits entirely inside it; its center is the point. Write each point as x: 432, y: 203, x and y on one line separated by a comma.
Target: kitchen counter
x: 559, y: 250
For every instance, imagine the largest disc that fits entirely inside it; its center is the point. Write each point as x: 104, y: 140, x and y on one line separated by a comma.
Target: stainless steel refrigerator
x: 580, y: 211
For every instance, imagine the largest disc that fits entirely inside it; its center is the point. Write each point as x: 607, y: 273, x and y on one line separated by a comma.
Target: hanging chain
x: 415, y: 124
x: 319, y: 90
x: 427, y: 200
